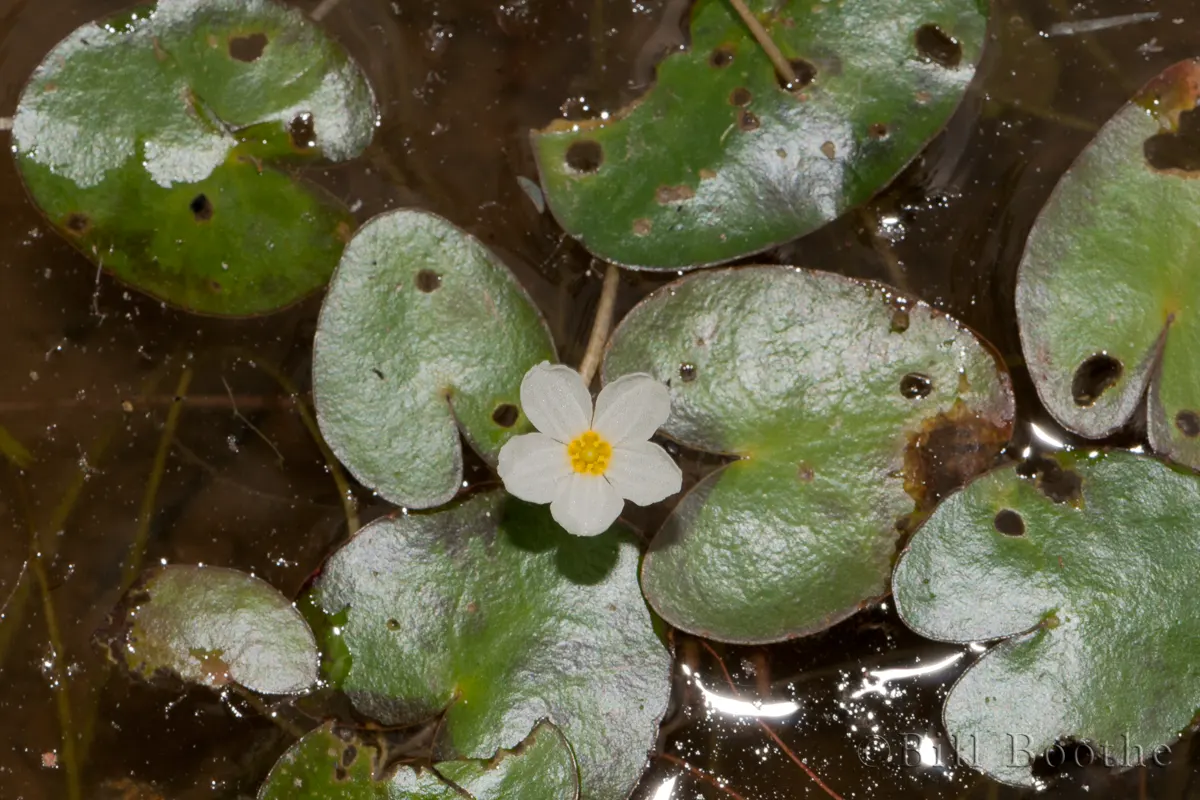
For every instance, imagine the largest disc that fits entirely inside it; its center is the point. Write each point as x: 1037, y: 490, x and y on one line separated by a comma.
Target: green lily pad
x: 1091, y: 567
x: 423, y: 333
x: 719, y: 160
x: 154, y: 141
x: 491, y: 615
x: 849, y: 411
x: 336, y: 763
x: 1107, y: 286
x: 215, y: 626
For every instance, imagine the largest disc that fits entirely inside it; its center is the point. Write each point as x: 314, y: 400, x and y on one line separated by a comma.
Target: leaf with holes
x: 719, y: 160
x: 848, y: 412
x: 491, y: 615
x: 1108, y: 282
x: 155, y: 141
x: 423, y: 333
x: 214, y: 626
x: 1088, y: 563
x: 337, y: 762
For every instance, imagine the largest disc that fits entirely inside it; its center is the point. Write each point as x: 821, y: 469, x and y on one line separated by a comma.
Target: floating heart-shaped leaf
x: 1108, y: 284
x: 491, y: 614
x: 423, y: 333
x: 335, y: 762
x: 849, y: 411
x: 719, y: 160
x: 150, y: 141
x: 1090, y: 565
x: 214, y: 626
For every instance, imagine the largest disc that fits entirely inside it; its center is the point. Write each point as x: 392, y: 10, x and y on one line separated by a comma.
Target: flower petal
x: 532, y: 465
x: 631, y: 408
x: 643, y: 472
x: 556, y: 401
x: 586, y: 504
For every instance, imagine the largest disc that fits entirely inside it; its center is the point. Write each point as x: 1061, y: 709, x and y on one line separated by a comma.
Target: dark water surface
x: 90, y: 372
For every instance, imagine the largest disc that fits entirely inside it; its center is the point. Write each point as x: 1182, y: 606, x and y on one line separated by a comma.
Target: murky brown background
x: 90, y: 371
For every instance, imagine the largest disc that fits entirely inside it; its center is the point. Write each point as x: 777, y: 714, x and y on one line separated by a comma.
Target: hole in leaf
x: 1009, y: 522
x: 201, y: 208
x: 747, y: 121
x: 741, y: 96
x: 687, y: 372
x: 393, y: 624
x: 935, y: 45
x: 721, y: 57
x: 248, y: 48
x: 900, y: 321
x: 805, y: 72
x: 914, y: 385
x: 428, y: 281
x: 302, y: 132
x: 1096, y: 375
x: 78, y: 223
x: 349, y: 755
x: 585, y: 155
x: 1178, y: 149
x: 1188, y: 423
x: 505, y: 415
x: 878, y: 131
x: 378, y: 372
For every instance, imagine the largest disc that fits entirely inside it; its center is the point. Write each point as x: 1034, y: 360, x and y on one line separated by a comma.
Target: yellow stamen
x: 589, y: 453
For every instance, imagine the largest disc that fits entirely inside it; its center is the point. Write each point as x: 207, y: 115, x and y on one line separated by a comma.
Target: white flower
x: 587, y: 463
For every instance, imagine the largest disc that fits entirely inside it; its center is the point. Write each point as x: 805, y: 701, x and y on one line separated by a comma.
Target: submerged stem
x: 137, y: 550
x: 62, y: 695
x: 601, y: 324
x: 786, y: 73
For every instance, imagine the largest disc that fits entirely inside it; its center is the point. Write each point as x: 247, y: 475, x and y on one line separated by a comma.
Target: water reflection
x: 741, y: 708
x: 883, y: 676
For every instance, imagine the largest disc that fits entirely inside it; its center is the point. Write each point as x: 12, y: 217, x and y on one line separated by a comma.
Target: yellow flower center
x: 589, y: 453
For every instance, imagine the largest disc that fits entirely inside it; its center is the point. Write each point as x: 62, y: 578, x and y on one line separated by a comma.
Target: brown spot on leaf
x: 1060, y: 485
x: 707, y: 174
x: 747, y: 120
x: 741, y: 96
x: 248, y: 48
x: 642, y: 227
x: 201, y: 207
x: 947, y: 451
x: 78, y: 223
x: 720, y: 58
x: 1188, y: 422
x: 804, y: 473
x: 829, y: 149
x: 673, y: 194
